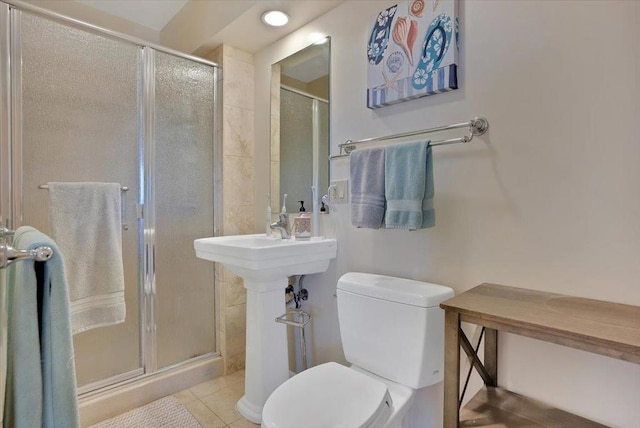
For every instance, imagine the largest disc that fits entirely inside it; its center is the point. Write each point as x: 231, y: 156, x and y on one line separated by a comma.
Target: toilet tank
x: 393, y: 327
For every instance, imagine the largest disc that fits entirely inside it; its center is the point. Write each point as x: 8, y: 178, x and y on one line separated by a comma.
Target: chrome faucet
x: 282, y: 226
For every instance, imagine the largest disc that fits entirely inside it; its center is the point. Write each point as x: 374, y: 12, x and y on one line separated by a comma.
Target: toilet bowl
x: 392, y: 333
x: 323, y: 404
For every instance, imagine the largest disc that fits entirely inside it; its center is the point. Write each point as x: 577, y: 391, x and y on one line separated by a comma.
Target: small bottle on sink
x: 302, y: 224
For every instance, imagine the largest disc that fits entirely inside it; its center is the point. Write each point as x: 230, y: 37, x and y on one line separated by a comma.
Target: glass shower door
x: 5, y: 179
x: 80, y: 123
x: 88, y: 106
x: 183, y: 195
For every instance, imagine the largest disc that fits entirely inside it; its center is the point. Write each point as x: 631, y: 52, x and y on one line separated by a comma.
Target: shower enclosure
x: 83, y: 104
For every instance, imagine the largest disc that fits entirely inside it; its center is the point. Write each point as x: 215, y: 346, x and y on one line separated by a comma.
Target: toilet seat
x: 328, y: 395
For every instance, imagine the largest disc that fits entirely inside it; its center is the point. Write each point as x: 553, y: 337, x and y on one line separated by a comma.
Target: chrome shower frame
x: 11, y: 188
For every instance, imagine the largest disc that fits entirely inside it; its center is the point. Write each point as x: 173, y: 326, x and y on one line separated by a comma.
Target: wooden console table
x: 604, y: 328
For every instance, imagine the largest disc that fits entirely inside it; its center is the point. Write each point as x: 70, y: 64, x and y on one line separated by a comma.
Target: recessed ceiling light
x: 275, y: 18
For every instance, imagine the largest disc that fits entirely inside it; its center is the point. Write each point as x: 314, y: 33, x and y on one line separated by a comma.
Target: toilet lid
x: 328, y: 395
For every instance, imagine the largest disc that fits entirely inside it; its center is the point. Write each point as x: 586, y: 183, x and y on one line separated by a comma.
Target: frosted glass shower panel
x: 184, y: 208
x: 80, y: 122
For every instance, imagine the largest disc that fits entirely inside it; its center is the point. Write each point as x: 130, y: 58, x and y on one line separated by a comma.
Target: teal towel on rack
x: 41, y: 379
x: 367, y: 187
x: 428, y: 210
x: 409, y: 186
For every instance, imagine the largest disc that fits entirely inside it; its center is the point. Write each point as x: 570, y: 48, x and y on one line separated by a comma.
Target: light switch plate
x: 339, y: 191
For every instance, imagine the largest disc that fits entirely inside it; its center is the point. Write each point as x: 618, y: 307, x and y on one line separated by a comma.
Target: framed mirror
x: 300, y: 128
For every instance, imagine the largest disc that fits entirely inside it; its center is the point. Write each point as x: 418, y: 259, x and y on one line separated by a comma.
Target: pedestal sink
x: 265, y: 263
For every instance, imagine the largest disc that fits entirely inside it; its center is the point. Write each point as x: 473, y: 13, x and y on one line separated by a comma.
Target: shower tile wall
x: 238, y: 204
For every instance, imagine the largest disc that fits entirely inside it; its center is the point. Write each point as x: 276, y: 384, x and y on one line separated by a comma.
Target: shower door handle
x: 123, y: 207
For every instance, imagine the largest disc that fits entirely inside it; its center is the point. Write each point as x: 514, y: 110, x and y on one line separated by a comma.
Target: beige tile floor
x: 213, y: 403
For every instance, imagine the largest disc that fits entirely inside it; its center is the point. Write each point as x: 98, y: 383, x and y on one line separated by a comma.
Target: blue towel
x: 41, y: 379
x: 367, y: 187
x: 409, y: 186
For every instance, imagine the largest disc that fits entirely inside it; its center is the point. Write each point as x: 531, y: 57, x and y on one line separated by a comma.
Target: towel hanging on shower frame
x: 123, y: 205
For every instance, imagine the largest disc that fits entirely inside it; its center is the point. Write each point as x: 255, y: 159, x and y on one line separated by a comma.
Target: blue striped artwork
x: 412, y: 52
x: 443, y: 80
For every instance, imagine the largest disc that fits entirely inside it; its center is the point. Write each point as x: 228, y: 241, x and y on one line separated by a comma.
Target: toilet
x: 392, y: 333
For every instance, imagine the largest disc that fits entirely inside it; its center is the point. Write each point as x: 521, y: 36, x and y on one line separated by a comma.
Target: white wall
x: 548, y: 199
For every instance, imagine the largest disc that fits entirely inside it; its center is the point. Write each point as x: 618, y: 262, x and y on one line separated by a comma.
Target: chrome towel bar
x: 4, y: 232
x: 476, y: 126
x: 123, y: 207
x: 9, y: 255
x: 46, y: 187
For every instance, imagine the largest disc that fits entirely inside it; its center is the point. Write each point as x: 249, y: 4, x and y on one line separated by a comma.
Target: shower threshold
x: 117, y: 398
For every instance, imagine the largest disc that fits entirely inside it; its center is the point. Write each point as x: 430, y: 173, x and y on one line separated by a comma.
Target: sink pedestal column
x: 265, y: 264
x: 267, y: 358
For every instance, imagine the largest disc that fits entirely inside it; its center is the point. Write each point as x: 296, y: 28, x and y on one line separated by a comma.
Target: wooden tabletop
x: 605, y: 328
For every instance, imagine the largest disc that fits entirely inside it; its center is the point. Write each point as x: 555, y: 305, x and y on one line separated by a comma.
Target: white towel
x: 85, y: 222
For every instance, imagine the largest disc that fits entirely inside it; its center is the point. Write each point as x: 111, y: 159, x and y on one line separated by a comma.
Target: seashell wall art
x: 412, y: 51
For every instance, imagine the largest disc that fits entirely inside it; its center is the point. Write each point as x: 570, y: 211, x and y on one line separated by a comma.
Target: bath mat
x: 164, y: 413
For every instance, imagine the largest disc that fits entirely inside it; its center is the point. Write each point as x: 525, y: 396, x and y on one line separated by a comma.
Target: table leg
x: 491, y: 354
x: 451, y: 369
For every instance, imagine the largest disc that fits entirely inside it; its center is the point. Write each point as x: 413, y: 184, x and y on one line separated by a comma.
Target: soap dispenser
x: 302, y: 224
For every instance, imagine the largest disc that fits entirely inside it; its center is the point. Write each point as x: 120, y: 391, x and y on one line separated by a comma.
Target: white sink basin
x: 264, y: 257
x: 265, y: 263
